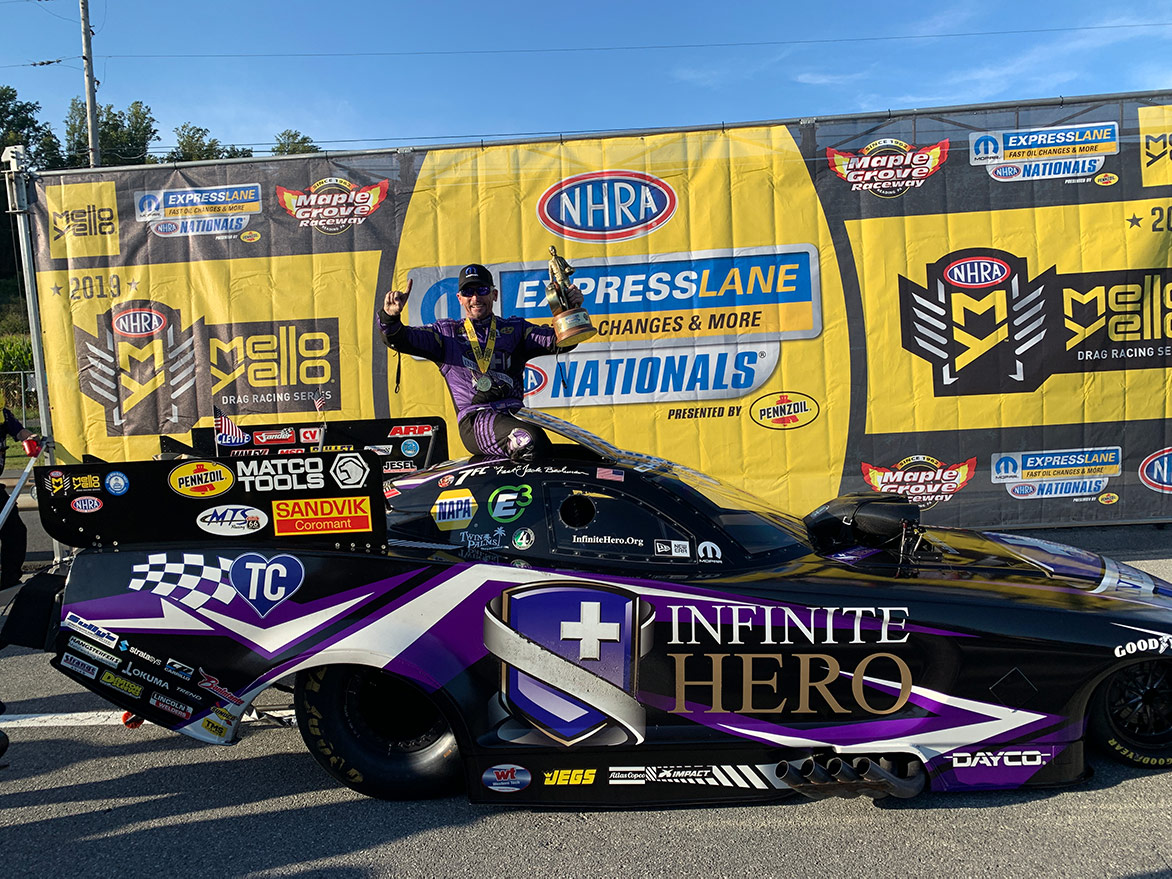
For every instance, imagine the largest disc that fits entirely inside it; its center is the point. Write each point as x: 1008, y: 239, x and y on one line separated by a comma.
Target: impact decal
x: 265, y: 583
x: 570, y: 654
x: 607, y: 206
x: 152, y: 375
x: 925, y: 480
x: 740, y: 775
x: 83, y: 220
x: 987, y: 327
x: 888, y: 168
x: 333, y: 204
x: 784, y: 410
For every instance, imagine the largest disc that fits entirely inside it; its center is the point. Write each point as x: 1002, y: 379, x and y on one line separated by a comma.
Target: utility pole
x: 91, y: 101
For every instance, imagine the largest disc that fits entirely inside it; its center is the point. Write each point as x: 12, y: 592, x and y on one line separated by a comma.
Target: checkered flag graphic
x: 191, y: 582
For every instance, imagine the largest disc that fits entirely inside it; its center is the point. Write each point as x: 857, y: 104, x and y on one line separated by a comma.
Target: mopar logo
x: 985, y: 146
x: 1005, y: 466
x: 977, y: 272
x: 148, y: 204
x: 606, y: 206
x: 137, y: 323
x: 535, y: 379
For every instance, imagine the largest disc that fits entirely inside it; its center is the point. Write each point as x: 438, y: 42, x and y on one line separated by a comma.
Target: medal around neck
x: 483, y: 355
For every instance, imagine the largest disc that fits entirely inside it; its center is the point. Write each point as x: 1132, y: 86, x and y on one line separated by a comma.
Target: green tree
x: 194, y: 145
x: 290, y: 142
x: 19, y: 125
x: 124, y: 136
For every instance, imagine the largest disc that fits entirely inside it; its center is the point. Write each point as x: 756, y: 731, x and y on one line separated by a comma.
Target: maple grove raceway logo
x: 888, y: 168
x: 924, y: 480
x: 333, y: 204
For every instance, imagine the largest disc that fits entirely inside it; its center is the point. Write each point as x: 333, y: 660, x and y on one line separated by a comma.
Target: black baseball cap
x: 475, y: 276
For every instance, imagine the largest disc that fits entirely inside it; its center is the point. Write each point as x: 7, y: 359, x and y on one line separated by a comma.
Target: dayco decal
x: 925, y: 480
x: 281, y: 474
x: 965, y: 759
x: 783, y: 410
x: 120, y: 683
x: 139, y: 367
x: 321, y: 515
x: 200, y: 479
x: 454, y: 509
x: 888, y: 167
x: 606, y: 205
x: 988, y: 328
x: 1019, y: 145
x: 333, y: 204
x: 1155, y: 129
x: 83, y: 220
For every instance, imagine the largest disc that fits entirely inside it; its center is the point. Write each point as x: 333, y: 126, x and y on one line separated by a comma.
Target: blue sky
x: 390, y: 73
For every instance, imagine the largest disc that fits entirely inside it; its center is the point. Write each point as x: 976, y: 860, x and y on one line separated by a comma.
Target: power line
x: 562, y: 50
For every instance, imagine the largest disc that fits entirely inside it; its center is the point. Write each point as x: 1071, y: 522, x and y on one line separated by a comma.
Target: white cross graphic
x: 590, y: 630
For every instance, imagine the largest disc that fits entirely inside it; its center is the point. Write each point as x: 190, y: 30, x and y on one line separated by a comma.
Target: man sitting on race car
x: 482, y: 358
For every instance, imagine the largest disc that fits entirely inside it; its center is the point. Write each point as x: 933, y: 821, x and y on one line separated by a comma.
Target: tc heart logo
x: 265, y: 583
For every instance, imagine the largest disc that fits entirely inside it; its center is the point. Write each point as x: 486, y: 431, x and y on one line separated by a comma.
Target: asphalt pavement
x: 81, y: 795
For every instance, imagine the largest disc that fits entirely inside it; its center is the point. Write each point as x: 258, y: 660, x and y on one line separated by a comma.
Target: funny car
x: 594, y: 628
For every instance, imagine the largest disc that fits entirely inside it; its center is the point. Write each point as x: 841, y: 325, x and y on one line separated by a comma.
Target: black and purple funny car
x: 599, y: 628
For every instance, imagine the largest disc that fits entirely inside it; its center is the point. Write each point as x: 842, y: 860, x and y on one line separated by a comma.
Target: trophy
x: 570, y: 325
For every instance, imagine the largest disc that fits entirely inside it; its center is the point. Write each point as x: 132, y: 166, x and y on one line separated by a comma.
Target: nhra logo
x: 924, y: 480
x: 536, y: 378
x: 888, y: 168
x: 138, y: 323
x: 333, y: 204
x: 606, y: 206
x: 1156, y: 471
x: 987, y: 327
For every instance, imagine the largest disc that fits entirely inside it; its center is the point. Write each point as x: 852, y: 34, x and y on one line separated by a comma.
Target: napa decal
x: 454, y: 509
x: 783, y: 410
x: 1074, y: 169
x: 607, y: 206
x: 987, y: 326
x: 1156, y: 471
x: 887, y: 168
x: 1037, y: 144
x: 333, y: 204
x: 632, y: 372
x: 924, y: 480
x: 765, y: 294
x: 1056, y: 464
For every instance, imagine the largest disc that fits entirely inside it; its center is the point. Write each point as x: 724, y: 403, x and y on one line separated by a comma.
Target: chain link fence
x: 19, y: 390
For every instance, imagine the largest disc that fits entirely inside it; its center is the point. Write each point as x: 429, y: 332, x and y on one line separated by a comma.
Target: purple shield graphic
x: 594, y: 628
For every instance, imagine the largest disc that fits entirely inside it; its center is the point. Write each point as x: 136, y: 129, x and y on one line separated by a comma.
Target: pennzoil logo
x: 83, y: 220
x: 784, y: 410
x: 200, y: 479
x: 152, y: 374
x: 888, y: 168
x: 333, y: 204
x: 926, y: 481
x: 987, y: 327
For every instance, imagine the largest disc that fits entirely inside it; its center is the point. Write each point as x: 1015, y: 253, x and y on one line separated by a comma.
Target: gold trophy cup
x: 570, y: 325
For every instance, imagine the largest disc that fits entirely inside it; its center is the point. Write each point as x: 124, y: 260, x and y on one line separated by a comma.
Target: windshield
x: 749, y: 521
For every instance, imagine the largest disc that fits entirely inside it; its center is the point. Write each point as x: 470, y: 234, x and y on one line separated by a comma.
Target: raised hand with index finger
x: 394, y: 301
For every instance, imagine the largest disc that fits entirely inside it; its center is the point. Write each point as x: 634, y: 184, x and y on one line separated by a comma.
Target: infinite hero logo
x: 987, y: 327
x: 152, y: 375
x: 333, y: 204
x: 888, y: 168
x: 607, y: 206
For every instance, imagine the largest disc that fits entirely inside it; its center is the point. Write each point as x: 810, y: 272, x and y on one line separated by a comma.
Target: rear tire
x: 1130, y: 715
x: 376, y: 733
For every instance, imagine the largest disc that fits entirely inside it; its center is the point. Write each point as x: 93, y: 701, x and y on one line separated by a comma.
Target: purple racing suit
x: 484, y: 416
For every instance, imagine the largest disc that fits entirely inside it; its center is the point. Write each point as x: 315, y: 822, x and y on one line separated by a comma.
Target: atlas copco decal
x: 612, y: 205
x: 925, y: 480
x: 333, y: 204
x: 888, y: 168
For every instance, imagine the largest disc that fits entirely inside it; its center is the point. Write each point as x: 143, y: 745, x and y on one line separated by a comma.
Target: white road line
x: 90, y: 718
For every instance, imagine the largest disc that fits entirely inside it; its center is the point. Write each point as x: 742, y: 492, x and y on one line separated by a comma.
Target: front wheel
x: 1130, y: 715
x: 376, y: 733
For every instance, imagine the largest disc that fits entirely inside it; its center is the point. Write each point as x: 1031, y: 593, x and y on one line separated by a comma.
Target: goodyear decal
x: 756, y: 293
x: 1059, y: 464
x: 1031, y: 144
x: 632, y: 372
x: 208, y: 201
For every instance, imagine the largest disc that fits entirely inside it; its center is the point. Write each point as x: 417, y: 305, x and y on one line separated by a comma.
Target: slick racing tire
x: 376, y: 733
x: 1130, y: 715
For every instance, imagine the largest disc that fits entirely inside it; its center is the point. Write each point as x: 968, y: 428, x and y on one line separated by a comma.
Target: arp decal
x: 333, y: 204
x: 138, y: 367
x: 926, y: 481
x: 888, y: 168
x: 569, y: 654
x: 987, y: 327
x: 607, y: 206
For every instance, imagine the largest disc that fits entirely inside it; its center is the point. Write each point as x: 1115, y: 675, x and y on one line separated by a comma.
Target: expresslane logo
x: 613, y: 205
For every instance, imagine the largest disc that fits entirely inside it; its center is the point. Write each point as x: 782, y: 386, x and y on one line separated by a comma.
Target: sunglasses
x: 476, y: 291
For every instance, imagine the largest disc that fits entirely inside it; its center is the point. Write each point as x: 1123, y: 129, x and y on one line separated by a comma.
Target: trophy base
x: 572, y: 326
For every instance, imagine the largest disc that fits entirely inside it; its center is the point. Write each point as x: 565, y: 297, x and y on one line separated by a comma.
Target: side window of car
x: 586, y: 521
